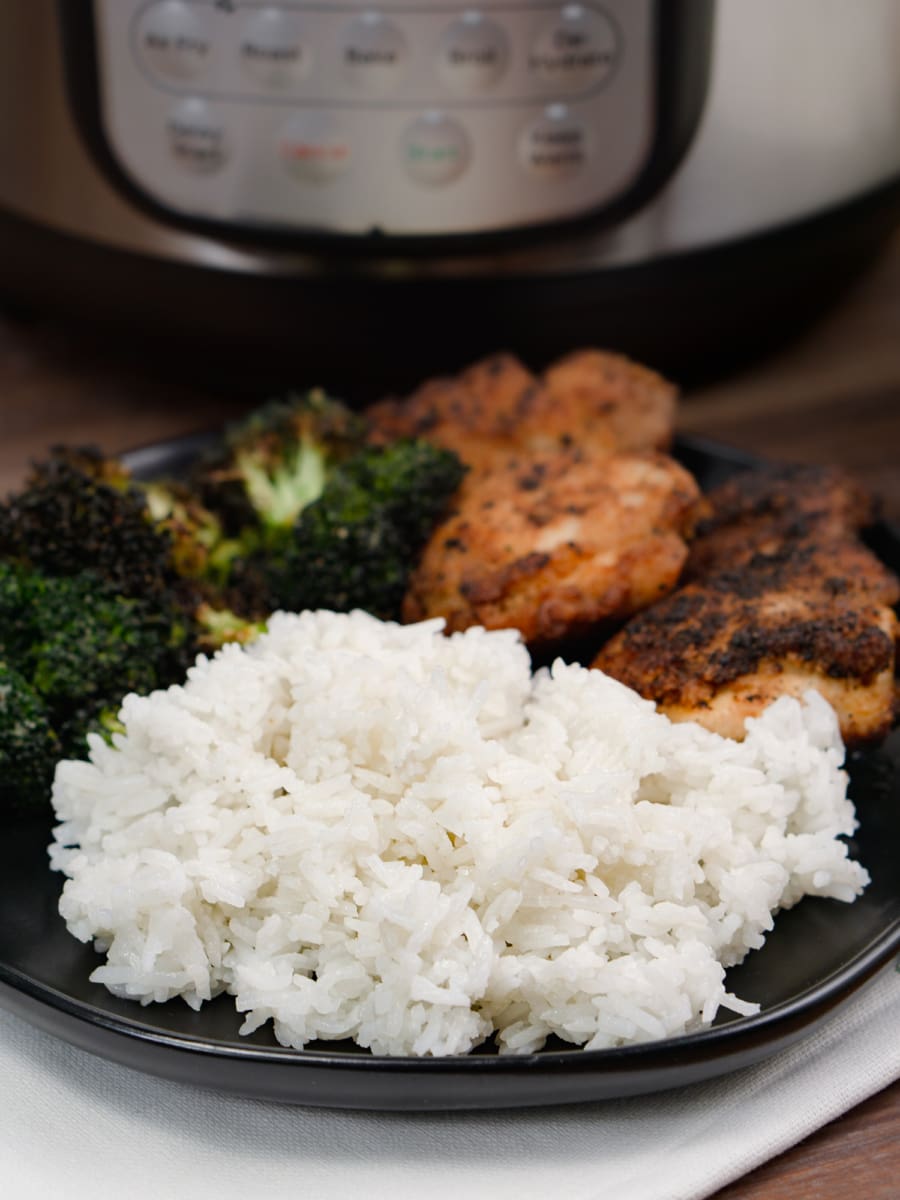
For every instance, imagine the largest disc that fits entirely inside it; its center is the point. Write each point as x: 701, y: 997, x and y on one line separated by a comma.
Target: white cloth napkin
x: 74, y: 1126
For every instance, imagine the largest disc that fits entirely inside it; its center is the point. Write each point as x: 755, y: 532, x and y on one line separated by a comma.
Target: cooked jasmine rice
x: 372, y: 831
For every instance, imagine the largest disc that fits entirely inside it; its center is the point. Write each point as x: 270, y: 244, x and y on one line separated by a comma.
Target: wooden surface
x: 833, y: 396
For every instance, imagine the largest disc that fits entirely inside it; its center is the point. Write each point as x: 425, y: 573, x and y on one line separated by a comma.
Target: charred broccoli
x: 79, y: 511
x: 109, y: 586
x: 277, y: 461
x: 355, y: 546
x: 29, y: 747
x: 199, y: 548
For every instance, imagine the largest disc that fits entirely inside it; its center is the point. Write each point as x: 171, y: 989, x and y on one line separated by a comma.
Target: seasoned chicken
x: 475, y: 414
x: 598, y: 395
x: 762, y: 509
x: 601, y: 403
x: 555, y: 545
x: 715, y: 656
x: 807, y: 615
x: 825, y: 568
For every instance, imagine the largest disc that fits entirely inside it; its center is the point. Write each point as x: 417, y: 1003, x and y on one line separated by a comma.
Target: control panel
x: 406, y: 119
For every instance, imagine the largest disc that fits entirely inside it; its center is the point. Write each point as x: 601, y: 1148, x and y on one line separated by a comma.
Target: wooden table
x: 833, y: 396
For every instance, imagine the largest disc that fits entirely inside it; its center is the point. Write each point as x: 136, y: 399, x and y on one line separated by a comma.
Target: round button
x: 435, y: 149
x: 197, y: 137
x: 555, y: 145
x: 374, y: 52
x: 313, y: 147
x: 473, y: 53
x: 174, y: 41
x: 273, y: 49
x: 576, y: 50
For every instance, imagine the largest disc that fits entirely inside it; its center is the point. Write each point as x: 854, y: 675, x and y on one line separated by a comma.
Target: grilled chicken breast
x: 604, y: 396
x: 554, y: 545
x: 764, y: 509
x: 802, y: 604
x: 570, y: 520
x: 600, y: 403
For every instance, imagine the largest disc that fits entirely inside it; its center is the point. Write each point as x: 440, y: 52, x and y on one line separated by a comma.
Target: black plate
x: 817, y: 955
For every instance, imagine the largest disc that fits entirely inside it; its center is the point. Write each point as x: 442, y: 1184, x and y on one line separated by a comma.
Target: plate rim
x: 805, y: 1005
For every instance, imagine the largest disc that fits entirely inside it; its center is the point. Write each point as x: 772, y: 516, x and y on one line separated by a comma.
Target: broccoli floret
x: 105, y: 588
x: 276, y: 462
x: 88, y: 460
x: 95, y: 646
x: 220, y: 625
x: 83, y: 624
x: 77, y: 512
x: 355, y: 546
x: 16, y: 631
x: 81, y: 647
x: 28, y: 746
x: 199, y: 548
x: 226, y: 599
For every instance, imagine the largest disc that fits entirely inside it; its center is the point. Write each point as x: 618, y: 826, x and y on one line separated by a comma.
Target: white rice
x: 372, y: 831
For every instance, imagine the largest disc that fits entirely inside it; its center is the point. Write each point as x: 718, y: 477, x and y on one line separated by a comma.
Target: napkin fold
x: 73, y: 1126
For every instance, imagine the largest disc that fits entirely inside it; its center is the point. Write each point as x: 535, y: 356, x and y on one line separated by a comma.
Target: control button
x: 555, y: 145
x: 273, y: 49
x: 313, y: 147
x: 174, y: 41
x: 473, y: 53
x: 197, y: 137
x: 374, y: 51
x: 577, y: 50
x: 435, y: 149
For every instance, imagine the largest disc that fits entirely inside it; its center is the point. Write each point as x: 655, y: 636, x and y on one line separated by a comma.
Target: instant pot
x: 360, y: 192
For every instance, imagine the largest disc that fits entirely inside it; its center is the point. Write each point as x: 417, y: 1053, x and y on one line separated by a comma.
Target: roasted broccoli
x: 89, y: 460
x: 29, y: 747
x: 93, y: 646
x: 77, y: 512
x: 81, y: 646
x: 199, y: 548
x: 16, y: 632
x: 355, y: 546
x: 216, y: 626
x: 110, y: 586
x: 222, y: 599
x: 276, y: 462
